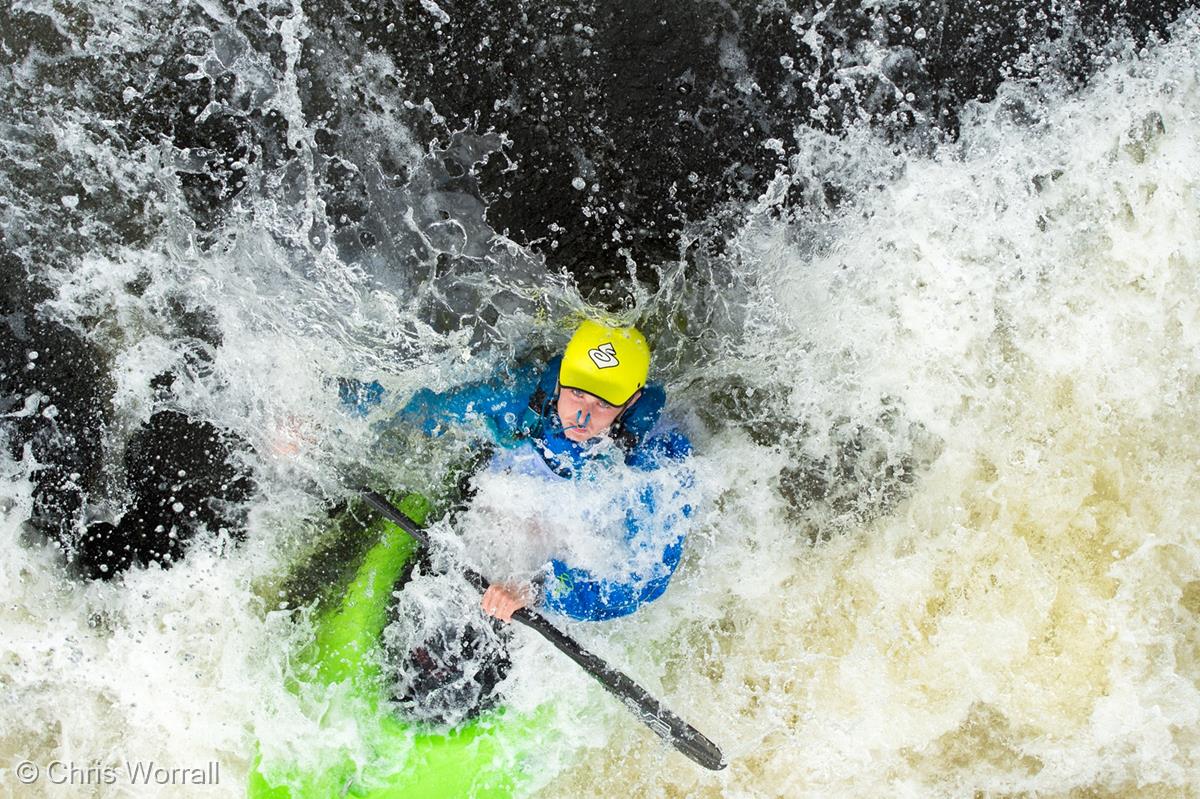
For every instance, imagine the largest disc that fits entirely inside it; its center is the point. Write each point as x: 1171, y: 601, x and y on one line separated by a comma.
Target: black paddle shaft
x: 672, y: 729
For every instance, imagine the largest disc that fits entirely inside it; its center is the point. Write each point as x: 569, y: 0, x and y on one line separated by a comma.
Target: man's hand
x: 503, y: 600
x: 290, y: 436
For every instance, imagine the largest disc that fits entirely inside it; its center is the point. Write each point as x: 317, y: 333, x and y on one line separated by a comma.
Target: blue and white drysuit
x: 516, y: 409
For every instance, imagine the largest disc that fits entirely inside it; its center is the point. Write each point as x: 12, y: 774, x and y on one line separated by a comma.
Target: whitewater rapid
x: 950, y: 542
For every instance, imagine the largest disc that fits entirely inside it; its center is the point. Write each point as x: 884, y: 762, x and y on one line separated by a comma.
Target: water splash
x: 941, y: 391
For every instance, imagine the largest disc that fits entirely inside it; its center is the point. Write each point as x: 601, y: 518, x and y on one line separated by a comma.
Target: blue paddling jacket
x: 516, y: 408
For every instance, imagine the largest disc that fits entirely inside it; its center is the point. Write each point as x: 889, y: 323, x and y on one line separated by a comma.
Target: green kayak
x: 490, y: 756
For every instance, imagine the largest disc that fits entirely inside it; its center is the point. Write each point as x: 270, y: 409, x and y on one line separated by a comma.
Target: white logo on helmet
x: 604, y: 356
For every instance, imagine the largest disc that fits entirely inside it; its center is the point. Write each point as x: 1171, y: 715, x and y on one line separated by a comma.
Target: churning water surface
x: 945, y: 425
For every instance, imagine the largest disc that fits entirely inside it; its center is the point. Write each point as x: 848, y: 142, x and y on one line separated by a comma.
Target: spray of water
x: 944, y: 541
x: 1014, y: 318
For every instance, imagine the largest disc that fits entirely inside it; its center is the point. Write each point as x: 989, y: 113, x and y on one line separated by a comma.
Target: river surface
x: 923, y: 286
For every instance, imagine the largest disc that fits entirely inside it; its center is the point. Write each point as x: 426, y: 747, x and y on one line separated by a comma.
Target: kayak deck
x: 486, y: 757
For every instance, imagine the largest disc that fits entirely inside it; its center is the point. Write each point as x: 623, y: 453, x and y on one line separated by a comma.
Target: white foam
x: 1023, y: 621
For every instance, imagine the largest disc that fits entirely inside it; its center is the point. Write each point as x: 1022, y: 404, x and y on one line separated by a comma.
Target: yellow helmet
x: 610, y: 362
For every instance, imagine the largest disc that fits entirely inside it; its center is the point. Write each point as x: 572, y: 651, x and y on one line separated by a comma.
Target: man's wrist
x: 537, y: 593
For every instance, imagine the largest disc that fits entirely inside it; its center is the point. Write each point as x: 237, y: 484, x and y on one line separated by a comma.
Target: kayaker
x: 586, y: 424
x: 589, y: 409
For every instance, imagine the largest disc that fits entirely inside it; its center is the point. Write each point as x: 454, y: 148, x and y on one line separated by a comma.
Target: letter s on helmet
x: 610, y: 362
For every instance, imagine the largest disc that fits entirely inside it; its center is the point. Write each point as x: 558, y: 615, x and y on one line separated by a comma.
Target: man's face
x: 585, y: 416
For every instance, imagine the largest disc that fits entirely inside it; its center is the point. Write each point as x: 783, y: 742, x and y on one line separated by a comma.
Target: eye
x: 576, y: 393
